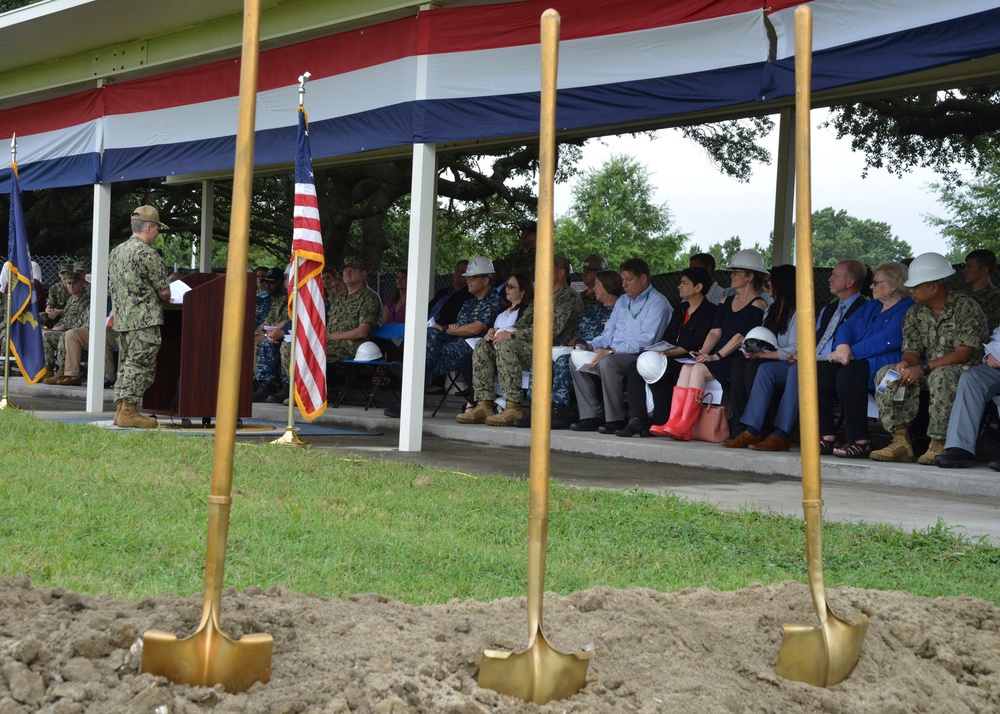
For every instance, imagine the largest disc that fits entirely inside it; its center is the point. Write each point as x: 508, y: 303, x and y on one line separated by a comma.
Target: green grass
x: 124, y: 513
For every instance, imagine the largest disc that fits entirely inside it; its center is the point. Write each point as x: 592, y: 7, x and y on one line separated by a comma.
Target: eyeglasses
x: 511, y: 286
x: 879, y: 282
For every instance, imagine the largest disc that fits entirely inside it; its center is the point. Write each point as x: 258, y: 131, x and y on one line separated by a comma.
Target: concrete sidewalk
x: 905, y: 495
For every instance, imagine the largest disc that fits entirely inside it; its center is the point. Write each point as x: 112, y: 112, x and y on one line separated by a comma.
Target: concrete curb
x: 974, y: 482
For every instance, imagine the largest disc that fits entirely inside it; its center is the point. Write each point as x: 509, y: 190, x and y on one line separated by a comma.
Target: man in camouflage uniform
x: 522, y: 260
x: 352, y: 317
x: 590, y: 266
x: 75, y: 314
x: 446, y: 344
x: 57, y: 297
x: 943, y: 336
x: 270, y: 380
x: 507, y: 354
x: 139, y: 288
x: 978, y: 277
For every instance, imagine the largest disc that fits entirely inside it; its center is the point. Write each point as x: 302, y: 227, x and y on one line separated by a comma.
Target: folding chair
x: 351, y: 369
x: 451, y: 383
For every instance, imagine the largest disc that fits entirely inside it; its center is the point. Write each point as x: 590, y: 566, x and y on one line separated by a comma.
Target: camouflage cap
x: 80, y: 267
x: 74, y: 277
x: 354, y: 261
x: 561, y: 261
x: 65, y: 268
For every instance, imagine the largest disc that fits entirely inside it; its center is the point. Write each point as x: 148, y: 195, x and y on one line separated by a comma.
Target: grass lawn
x: 124, y: 513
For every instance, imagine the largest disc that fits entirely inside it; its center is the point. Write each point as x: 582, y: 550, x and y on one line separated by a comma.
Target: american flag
x: 25, y: 330
x: 307, y: 250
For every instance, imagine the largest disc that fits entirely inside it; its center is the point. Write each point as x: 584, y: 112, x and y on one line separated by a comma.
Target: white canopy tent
x: 95, y: 100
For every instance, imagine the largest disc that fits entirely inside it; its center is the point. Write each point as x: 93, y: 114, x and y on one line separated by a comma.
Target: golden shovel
x: 824, y: 655
x: 208, y: 657
x: 540, y: 673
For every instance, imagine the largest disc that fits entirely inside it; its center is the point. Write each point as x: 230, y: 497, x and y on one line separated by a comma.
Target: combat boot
x: 53, y: 377
x: 936, y: 448
x: 118, y: 411
x: 478, y: 415
x: 899, y: 449
x: 130, y: 418
x: 506, y: 418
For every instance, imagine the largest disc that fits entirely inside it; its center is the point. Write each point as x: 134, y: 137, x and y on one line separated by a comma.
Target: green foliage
x: 837, y: 235
x: 613, y: 213
x: 733, y: 145
x: 974, y: 212
x: 941, y: 130
x: 124, y: 513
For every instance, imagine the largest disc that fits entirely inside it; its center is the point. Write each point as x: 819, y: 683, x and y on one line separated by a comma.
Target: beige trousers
x: 78, y: 340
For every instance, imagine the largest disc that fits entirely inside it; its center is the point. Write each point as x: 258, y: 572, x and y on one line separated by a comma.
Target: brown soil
x: 691, y: 651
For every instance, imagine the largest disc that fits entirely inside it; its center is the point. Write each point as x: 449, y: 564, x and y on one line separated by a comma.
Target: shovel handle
x: 805, y: 299
x: 541, y: 363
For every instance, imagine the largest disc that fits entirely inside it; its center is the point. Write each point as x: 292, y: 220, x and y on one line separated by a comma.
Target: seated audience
x: 688, y: 328
x: 512, y: 352
x: 943, y: 335
x: 395, y: 307
x: 976, y: 388
x: 707, y: 261
x: 780, y: 379
x: 446, y: 343
x: 978, y: 277
x: 269, y: 380
x: 520, y: 293
x: 868, y: 341
x: 638, y: 319
x: 75, y: 313
x: 780, y: 319
x: 444, y: 306
x: 734, y: 317
x: 589, y: 269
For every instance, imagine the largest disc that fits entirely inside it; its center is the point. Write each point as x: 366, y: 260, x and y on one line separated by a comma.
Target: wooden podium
x: 190, y: 351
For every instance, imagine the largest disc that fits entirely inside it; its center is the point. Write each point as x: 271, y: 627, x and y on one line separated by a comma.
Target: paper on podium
x: 178, y: 289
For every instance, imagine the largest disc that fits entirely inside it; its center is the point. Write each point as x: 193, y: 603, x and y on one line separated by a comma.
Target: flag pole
x: 5, y: 402
x: 290, y: 438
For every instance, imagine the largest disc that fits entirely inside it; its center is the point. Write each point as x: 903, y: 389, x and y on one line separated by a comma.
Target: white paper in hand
x: 178, y: 289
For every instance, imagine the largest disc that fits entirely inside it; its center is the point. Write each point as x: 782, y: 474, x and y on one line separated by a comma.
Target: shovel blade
x: 538, y: 674
x: 208, y: 657
x: 821, y: 656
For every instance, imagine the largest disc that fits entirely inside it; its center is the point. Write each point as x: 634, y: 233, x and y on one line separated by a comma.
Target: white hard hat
x: 480, y: 265
x: 581, y: 358
x: 759, y: 339
x: 368, y: 352
x: 927, y: 267
x: 651, y: 366
x: 748, y: 259
x: 560, y: 350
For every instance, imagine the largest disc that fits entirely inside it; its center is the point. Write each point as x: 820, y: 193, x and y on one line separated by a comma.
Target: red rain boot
x: 676, y: 401
x: 681, y: 430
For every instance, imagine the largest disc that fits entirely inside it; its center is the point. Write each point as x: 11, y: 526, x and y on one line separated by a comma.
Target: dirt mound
x: 695, y: 650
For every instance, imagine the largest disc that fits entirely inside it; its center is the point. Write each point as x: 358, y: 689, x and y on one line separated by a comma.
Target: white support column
x: 98, y: 296
x: 423, y: 209
x: 784, y: 192
x: 207, y: 219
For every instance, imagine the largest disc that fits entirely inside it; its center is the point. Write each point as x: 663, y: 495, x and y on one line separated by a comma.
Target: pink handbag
x: 712, y: 424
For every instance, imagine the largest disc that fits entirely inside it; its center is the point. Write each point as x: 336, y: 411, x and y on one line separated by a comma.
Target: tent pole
x: 784, y: 193
x: 98, y: 296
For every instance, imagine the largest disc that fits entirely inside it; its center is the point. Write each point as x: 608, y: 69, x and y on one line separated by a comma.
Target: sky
x: 711, y: 207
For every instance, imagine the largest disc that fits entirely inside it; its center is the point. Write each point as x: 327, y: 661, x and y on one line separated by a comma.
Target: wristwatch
x: 925, y: 367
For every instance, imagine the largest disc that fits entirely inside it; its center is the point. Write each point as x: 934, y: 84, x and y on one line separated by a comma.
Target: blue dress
x: 732, y: 324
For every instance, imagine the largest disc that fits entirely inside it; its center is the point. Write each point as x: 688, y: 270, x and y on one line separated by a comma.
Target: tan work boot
x: 130, y: 418
x: 118, y: 411
x: 506, y: 418
x: 899, y: 450
x: 478, y: 415
x: 935, y: 449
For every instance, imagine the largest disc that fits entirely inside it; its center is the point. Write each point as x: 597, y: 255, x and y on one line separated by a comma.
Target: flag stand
x: 290, y: 438
x: 5, y: 402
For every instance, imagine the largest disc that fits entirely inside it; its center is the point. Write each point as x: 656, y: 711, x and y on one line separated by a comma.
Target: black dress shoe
x: 263, y: 392
x: 635, y: 427
x: 562, y: 419
x: 610, y: 427
x: 591, y: 424
x: 955, y: 458
x: 993, y: 465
